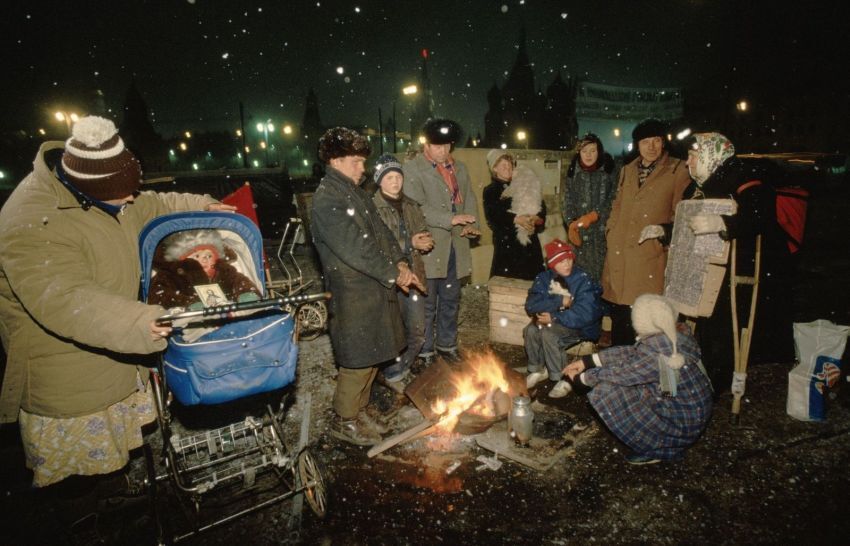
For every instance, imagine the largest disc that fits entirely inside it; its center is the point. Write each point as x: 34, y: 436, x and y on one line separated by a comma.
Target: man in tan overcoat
x: 648, y: 191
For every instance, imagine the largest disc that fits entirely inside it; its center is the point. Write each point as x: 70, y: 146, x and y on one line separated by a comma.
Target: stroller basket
x: 236, y: 452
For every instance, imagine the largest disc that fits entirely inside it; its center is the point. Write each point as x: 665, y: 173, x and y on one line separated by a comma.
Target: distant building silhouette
x: 138, y: 133
x: 547, y: 119
x: 611, y: 111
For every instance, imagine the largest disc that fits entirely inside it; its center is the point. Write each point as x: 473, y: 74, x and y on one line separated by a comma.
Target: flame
x: 482, y: 375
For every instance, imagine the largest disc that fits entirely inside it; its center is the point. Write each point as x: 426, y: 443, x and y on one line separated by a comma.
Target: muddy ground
x: 768, y: 479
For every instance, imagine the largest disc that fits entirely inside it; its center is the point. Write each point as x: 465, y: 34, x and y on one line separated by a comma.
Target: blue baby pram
x: 220, y: 354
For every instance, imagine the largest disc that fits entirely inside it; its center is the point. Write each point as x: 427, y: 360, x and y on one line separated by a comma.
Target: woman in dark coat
x: 589, y: 192
x: 515, y: 212
x: 719, y: 173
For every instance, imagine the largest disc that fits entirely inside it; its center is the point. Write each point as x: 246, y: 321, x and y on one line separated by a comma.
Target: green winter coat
x: 423, y: 184
x: 70, y: 321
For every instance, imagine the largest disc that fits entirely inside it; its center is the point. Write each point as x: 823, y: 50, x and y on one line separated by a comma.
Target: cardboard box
x: 507, y: 309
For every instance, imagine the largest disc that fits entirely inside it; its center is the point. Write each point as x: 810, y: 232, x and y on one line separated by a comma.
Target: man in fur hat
x: 362, y: 264
x: 70, y: 321
x: 648, y: 191
x: 443, y: 188
x: 655, y: 395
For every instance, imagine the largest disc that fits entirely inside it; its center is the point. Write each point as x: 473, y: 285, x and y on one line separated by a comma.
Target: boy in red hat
x: 565, y: 305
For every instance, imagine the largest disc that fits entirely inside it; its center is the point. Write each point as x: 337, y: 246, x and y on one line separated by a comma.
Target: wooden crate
x: 507, y: 309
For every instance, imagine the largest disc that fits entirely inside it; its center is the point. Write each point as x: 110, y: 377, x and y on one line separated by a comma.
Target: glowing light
x: 410, y: 90
x: 520, y: 135
x: 340, y: 70
x: 742, y: 106
x: 239, y: 132
x: 683, y: 134
x: 183, y: 146
x: 616, y: 132
x: 287, y: 129
x: 195, y: 166
x: 188, y: 134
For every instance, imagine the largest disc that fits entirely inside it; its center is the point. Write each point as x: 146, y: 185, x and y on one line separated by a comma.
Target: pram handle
x: 226, y: 311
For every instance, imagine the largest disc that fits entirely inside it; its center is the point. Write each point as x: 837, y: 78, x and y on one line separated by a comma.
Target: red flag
x: 243, y: 200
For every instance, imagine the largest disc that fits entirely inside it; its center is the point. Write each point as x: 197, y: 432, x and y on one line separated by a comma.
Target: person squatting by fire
x: 655, y: 395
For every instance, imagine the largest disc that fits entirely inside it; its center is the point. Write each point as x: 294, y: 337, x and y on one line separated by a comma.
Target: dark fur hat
x: 342, y: 142
x: 441, y: 131
x: 649, y: 128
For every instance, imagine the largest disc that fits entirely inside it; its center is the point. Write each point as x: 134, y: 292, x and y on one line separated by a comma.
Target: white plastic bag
x: 819, y: 347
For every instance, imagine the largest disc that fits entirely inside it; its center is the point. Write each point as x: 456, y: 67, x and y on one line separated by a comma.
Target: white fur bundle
x: 525, y: 194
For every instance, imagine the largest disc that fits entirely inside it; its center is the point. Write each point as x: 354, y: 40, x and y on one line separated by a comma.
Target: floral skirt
x: 99, y: 443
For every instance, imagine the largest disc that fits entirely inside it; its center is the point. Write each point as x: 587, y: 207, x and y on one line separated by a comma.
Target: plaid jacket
x: 627, y: 395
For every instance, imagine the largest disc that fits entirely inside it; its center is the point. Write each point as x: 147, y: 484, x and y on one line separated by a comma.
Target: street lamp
x: 265, y: 128
x: 521, y: 136
x: 742, y: 106
x: 70, y: 118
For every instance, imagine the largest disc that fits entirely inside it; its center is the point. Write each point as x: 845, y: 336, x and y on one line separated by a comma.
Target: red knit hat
x: 557, y: 251
x: 97, y: 163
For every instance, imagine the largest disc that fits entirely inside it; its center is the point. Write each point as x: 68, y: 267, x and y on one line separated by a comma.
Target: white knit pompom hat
x: 97, y: 163
x: 653, y: 314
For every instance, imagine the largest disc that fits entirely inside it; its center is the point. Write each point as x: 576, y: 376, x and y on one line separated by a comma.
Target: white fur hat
x: 653, y: 314
x: 178, y: 245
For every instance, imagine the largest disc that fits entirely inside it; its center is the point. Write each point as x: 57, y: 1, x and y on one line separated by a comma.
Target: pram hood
x: 249, y: 238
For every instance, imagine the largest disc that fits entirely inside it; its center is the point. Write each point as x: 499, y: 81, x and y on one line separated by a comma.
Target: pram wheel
x: 311, y: 480
x: 312, y: 318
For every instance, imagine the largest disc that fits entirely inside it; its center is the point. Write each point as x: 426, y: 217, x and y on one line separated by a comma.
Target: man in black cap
x: 648, y: 191
x: 442, y: 187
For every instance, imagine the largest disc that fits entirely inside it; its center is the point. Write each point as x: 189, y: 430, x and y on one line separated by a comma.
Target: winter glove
x: 702, y: 224
x: 247, y: 296
x: 587, y: 220
x: 652, y: 231
x: 572, y: 233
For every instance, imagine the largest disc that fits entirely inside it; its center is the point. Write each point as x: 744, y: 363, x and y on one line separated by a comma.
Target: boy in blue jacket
x: 566, y: 308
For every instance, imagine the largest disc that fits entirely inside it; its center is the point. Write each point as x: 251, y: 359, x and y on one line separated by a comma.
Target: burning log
x: 425, y: 428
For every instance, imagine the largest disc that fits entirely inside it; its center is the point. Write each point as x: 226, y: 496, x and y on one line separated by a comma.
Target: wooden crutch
x: 741, y: 340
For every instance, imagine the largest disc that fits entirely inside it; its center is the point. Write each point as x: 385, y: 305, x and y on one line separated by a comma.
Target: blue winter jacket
x: 586, y: 310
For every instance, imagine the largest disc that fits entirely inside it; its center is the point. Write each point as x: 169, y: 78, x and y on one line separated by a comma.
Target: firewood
x: 399, y: 438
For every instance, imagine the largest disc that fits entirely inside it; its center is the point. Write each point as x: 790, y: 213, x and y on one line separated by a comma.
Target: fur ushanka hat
x: 178, y: 246
x: 342, y: 142
x: 653, y: 314
x: 650, y: 128
x: 441, y: 131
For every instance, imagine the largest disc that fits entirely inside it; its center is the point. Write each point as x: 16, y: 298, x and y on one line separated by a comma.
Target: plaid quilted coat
x: 627, y: 396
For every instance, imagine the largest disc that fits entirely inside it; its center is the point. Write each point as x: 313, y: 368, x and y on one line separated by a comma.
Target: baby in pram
x: 193, y: 270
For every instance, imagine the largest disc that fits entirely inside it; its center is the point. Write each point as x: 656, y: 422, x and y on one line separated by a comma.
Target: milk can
x: 520, y: 420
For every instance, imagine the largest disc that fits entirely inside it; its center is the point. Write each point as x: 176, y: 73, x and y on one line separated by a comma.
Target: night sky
x: 194, y: 60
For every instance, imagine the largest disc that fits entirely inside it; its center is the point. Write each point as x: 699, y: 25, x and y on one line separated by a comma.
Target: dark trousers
x: 622, y: 332
x: 442, y: 306
x: 413, y: 315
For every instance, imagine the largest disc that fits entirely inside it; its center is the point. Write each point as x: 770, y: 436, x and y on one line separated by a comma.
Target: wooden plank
x: 399, y: 438
x: 511, y: 304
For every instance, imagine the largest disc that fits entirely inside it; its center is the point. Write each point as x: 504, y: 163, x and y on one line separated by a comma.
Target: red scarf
x: 447, y: 171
